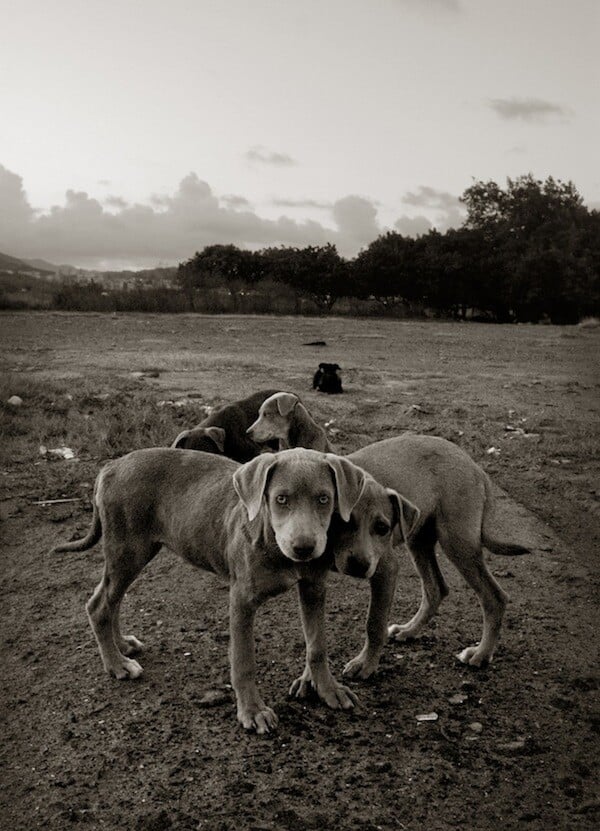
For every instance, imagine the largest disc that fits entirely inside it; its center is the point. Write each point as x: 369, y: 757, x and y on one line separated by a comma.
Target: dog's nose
x: 356, y: 567
x: 303, y: 552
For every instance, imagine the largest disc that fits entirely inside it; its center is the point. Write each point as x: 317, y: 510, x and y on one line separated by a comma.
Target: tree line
x: 526, y: 252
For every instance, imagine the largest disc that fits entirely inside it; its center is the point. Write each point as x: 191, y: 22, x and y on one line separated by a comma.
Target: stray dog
x: 225, y: 430
x: 326, y: 379
x: 262, y: 525
x: 285, y: 419
x: 454, y: 496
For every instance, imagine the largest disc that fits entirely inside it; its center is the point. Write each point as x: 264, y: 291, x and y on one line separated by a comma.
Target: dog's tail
x: 488, y: 539
x: 91, y: 538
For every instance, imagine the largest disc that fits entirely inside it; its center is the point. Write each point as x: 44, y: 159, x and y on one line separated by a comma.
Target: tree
x: 386, y: 271
x: 316, y: 272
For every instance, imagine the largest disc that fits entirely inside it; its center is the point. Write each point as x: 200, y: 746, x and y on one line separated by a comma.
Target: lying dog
x: 225, y: 430
x: 262, y: 525
x: 326, y: 379
x: 455, y: 500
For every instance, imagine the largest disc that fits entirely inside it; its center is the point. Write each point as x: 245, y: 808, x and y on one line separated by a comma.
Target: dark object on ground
x: 224, y: 431
x: 326, y: 379
x: 315, y: 343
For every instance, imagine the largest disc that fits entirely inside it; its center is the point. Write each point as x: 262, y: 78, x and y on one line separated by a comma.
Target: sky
x: 135, y: 132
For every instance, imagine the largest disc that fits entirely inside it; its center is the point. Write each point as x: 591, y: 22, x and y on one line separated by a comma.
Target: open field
x: 81, y: 748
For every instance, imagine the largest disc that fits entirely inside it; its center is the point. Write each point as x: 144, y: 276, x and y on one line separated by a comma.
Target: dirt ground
x: 165, y: 751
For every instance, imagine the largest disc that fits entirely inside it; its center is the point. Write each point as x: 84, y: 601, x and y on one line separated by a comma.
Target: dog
x: 454, y: 497
x: 225, y: 430
x: 326, y: 379
x: 263, y: 526
x: 283, y: 418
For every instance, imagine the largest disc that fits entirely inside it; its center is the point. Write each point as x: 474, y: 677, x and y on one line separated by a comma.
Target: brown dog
x: 455, y: 500
x: 226, y: 430
x: 263, y: 526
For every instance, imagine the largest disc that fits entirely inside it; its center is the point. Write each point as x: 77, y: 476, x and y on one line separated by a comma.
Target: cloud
x: 301, y: 203
x: 115, y: 202
x: 532, y: 110
x: 233, y: 200
x: 87, y: 232
x: 263, y: 156
x: 356, y: 218
x: 412, y: 226
x: 452, y: 6
x: 446, y: 208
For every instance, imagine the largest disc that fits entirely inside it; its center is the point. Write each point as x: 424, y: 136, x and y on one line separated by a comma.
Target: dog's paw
x: 301, y: 686
x: 128, y: 668
x: 361, y: 667
x: 402, y: 632
x: 259, y: 718
x: 129, y: 645
x: 338, y: 696
x: 474, y: 656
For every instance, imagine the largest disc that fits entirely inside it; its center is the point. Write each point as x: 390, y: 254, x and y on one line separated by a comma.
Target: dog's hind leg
x: 433, y: 585
x: 467, y: 556
x: 122, y: 566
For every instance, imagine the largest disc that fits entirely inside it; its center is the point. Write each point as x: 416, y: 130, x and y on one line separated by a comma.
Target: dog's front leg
x: 252, y: 712
x: 383, y: 585
x: 311, y: 592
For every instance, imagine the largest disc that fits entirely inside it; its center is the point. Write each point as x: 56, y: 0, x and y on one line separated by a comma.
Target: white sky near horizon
x: 302, y: 122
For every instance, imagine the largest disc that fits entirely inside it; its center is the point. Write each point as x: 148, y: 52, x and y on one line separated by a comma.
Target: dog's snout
x: 356, y: 567
x: 304, y: 551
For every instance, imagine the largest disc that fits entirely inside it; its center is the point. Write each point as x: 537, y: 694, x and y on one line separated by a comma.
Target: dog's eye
x: 323, y: 499
x: 281, y: 499
x: 381, y: 528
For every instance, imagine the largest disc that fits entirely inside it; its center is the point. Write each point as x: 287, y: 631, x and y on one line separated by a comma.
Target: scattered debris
x: 211, y: 698
x: 493, y: 451
x: 427, y: 717
x: 184, y: 402
x: 416, y: 408
x: 45, y: 502
x: 519, y: 431
x: 57, y: 452
x: 560, y: 461
x: 15, y: 401
x: 512, y: 747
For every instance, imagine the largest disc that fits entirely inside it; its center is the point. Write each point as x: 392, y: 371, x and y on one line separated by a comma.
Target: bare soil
x: 165, y: 752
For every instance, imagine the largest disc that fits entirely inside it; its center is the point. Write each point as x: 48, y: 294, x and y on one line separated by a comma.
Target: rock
x: 427, y: 717
x: 15, y: 401
x: 476, y: 727
x: 512, y: 747
x: 458, y: 698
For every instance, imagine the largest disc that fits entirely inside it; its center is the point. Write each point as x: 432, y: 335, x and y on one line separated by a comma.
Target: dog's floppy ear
x: 350, y: 482
x: 286, y: 401
x: 181, y: 440
x: 406, y: 516
x: 217, y: 434
x: 250, y: 481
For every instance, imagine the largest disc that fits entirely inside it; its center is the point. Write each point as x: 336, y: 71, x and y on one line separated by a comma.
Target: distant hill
x: 161, y: 275
x: 42, y: 265
x: 12, y: 263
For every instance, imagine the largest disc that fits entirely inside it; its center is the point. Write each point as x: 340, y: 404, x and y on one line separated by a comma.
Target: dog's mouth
x: 355, y: 567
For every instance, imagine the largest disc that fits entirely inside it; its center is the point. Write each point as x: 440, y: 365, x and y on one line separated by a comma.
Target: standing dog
x: 263, y: 526
x: 225, y: 430
x: 454, y: 497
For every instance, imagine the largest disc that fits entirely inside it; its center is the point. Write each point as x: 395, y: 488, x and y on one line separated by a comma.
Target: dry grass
x: 467, y: 383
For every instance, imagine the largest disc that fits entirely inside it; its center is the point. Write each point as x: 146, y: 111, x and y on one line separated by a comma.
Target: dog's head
x: 299, y: 490
x: 208, y: 439
x: 274, y: 415
x: 376, y: 521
